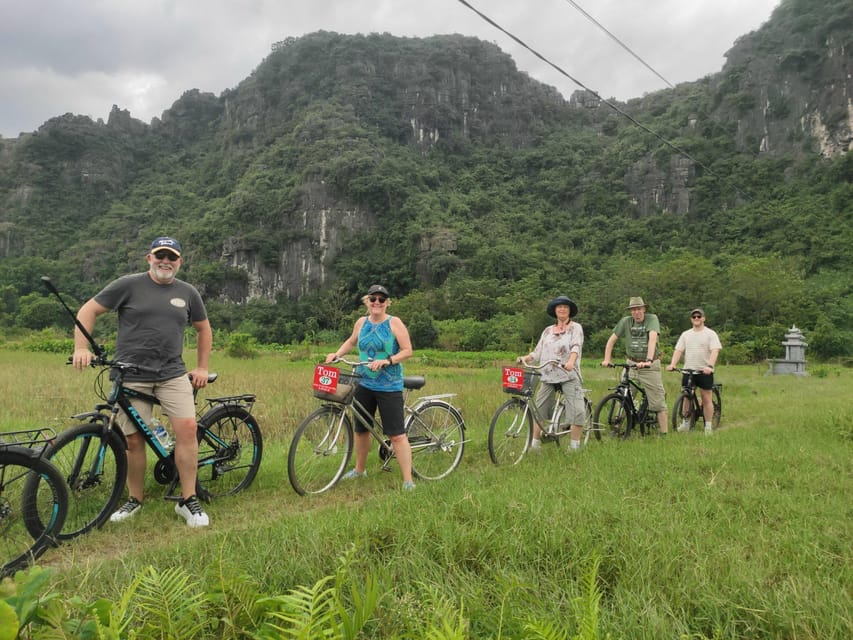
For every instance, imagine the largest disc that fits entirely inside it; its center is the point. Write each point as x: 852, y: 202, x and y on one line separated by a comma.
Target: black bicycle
x: 33, y: 499
x: 688, y: 407
x: 626, y: 408
x: 92, y: 455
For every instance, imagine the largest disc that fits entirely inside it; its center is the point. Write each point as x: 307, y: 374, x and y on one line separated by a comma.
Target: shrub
x: 242, y: 345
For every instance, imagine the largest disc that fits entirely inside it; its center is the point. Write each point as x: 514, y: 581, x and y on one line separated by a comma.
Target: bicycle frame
x: 322, y: 444
x: 689, y: 394
x: 518, y: 420
x: 119, y: 399
x: 627, y: 387
x: 626, y: 404
x: 356, y: 412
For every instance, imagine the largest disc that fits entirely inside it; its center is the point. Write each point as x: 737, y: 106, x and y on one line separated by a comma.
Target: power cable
x: 628, y: 116
x: 618, y: 41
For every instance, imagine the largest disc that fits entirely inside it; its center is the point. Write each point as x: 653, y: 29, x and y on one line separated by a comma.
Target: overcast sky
x: 84, y: 56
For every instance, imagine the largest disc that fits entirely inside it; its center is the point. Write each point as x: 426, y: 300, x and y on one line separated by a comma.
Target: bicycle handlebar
x: 625, y: 365
x: 101, y: 361
x: 536, y: 367
x: 349, y: 362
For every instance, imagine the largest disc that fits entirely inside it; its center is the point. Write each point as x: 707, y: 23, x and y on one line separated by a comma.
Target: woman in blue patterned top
x: 383, y: 343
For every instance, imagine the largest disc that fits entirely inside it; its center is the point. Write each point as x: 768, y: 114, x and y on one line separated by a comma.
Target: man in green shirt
x: 640, y: 332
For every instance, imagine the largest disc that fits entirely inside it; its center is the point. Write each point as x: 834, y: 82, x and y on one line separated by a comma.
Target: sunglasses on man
x: 165, y: 255
x: 695, y: 315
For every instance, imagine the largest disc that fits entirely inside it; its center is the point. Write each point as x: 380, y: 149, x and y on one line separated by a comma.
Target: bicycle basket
x: 330, y: 383
x: 518, y: 381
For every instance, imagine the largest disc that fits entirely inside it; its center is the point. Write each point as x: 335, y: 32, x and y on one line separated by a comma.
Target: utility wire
x: 618, y: 41
x: 624, y: 114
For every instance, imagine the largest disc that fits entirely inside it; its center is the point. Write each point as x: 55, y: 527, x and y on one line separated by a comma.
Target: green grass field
x: 746, y: 534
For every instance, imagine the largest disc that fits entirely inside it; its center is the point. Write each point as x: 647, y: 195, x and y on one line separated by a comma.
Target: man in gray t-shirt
x: 153, y: 309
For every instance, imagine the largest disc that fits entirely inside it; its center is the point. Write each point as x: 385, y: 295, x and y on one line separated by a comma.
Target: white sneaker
x: 127, y: 510
x: 191, y: 511
x: 709, y: 430
x: 684, y: 426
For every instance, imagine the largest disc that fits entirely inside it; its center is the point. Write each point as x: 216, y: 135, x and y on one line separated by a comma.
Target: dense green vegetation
x: 523, y: 198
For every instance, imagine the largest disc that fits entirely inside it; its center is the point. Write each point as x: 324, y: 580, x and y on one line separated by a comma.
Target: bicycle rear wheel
x: 612, y: 416
x: 229, y: 450
x: 320, y: 450
x: 436, y: 434
x: 94, y: 464
x: 510, y: 432
x: 589, y: 425
x: 33, y: 507
x: 717, y: 399
x: 684, y: 412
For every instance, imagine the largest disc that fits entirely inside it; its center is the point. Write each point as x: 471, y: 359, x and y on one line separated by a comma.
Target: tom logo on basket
x: 326, y: 378
x: 513, y: 378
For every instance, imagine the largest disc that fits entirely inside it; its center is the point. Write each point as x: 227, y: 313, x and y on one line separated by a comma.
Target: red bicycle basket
x: 330, y: 383
x: 518, y: 382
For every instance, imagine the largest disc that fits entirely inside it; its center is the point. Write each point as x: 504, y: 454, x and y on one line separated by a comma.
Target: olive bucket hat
x: 552, y: 306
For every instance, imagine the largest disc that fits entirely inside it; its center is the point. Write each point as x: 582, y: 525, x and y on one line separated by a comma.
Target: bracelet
x: 390, y: 361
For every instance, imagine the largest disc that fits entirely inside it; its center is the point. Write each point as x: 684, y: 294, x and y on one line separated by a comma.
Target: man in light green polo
x: 640, y: 333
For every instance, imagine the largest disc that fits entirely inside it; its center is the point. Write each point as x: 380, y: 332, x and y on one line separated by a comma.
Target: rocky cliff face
x: 318, y: 229
x: 798, y: 100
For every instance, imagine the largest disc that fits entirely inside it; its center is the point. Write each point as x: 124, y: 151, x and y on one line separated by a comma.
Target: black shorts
x: 703, y: 380
x: 390, y: 404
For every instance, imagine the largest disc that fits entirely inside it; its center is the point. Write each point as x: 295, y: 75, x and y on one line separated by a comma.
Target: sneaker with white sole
x: 352, y: 474
x: 408, y: 485
x: 684, y: 426
x: 127, y: 510
x: 190, y: 510
x: 709, y: 430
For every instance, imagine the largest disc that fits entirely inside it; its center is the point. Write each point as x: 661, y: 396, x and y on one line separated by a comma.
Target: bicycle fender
x: 436, y: 400
x: 438, y: 396
x: 91, y: 416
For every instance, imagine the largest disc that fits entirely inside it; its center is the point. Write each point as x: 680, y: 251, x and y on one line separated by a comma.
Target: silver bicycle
x: 511, y: 429
x: 323, y: 443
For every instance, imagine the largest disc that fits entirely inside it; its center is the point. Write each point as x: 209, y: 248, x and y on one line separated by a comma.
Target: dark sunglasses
x: 695, y: 315
x: 166, y: 255
x: 377, y: 298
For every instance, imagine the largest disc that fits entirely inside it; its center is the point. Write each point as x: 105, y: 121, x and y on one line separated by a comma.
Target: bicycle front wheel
x: 436, y: 435
x: 684, y: 412
x: 320, y: 450
x: 613, y: 417
x: 33, y: 507
x: 94, y: 464
x: 229, y: 450
x: 510, y: 432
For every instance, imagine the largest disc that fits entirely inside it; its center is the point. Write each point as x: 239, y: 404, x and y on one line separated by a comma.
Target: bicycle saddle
x: 414, y: 382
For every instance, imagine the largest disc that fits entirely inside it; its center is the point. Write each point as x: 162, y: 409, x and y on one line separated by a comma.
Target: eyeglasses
x: 695, y: 316
x: 379, y: 299
x: 166, y: 255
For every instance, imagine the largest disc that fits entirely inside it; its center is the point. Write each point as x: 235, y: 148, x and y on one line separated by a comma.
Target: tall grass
x: 744, y: 534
